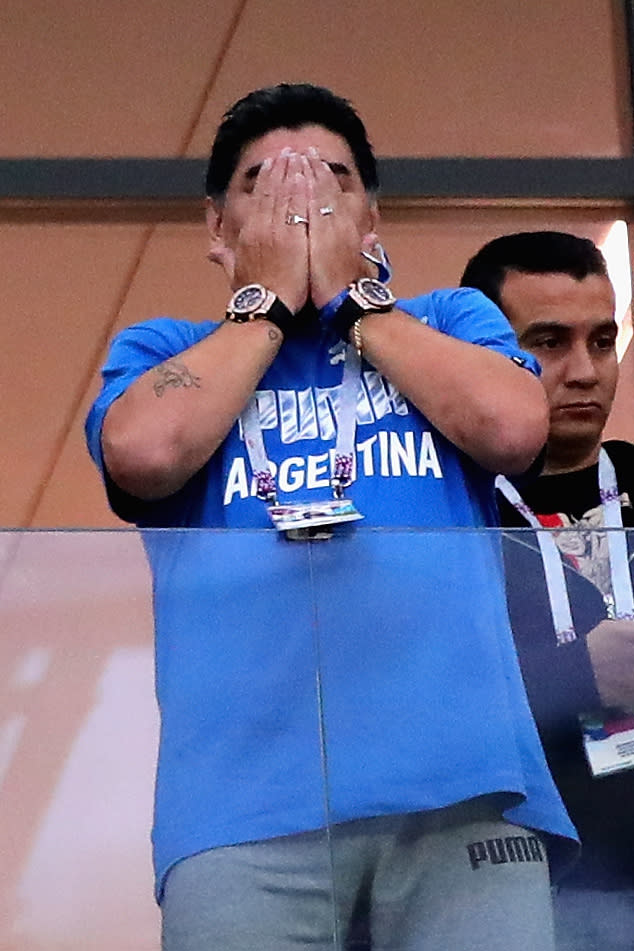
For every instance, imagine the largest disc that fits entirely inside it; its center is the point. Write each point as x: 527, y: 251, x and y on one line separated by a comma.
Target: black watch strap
x: 365, y: 296
x: 346, y: 315
x: 279, y: 314
x: 349, y: 312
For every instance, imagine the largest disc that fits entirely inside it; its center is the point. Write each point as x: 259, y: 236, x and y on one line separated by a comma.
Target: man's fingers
x: 296, y: 190
x: 266, y: 191
x: 323, y: 189
x: 270, y: 250
x: 611, y: 647
x: 262, y: 190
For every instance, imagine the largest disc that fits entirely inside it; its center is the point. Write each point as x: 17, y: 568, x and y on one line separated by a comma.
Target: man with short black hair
x: 575, y: 638
x: 320, y: 398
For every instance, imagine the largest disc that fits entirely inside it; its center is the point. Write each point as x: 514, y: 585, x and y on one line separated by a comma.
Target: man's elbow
x: 511, y: 432
x: 522, y: 436
x: 517, y: 461
x: 145, y: 470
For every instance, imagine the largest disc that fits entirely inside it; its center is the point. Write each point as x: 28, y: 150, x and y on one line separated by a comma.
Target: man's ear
x: 369, y: 242
x: 372, y: 251
x: 217, y: 252
x: 213, y: 217
x: 370, y: 238
x: 372, y: 223
x: 374, y: 215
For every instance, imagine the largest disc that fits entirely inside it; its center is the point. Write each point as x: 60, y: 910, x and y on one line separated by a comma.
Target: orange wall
x: 77, y: 720
x: 153, y: 80
x: 78, y: 738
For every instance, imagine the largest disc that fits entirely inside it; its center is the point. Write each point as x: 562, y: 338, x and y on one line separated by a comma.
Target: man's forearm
x: 171, y: 420
x: 480, y: 400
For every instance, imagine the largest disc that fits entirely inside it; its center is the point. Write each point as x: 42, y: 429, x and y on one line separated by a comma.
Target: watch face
x: 248, y: 299
x: 375, y: 292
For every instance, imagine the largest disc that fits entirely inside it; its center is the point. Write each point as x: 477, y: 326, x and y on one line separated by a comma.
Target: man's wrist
x: 363, y: 297
x: 256, y: 302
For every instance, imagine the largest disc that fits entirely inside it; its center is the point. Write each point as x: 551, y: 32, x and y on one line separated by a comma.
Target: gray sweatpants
x: 455, y: 879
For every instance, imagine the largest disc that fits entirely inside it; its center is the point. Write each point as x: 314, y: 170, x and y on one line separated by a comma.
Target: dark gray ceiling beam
x: 149, y: 179
x: 529, y: 178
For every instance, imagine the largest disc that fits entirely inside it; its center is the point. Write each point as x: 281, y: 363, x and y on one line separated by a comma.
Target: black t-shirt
x: 576, y: 494
x: 559, y: 680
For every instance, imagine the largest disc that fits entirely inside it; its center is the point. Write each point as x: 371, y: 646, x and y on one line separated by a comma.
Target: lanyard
x: 341, y: 463
x: 621, y: 604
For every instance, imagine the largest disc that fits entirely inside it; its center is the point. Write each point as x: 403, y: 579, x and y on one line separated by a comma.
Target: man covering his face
x: 388, y: 781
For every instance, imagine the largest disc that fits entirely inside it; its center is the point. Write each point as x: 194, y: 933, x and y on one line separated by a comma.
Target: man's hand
x: 335, y: 242
x: 270, y: 251
x: 611, y: 647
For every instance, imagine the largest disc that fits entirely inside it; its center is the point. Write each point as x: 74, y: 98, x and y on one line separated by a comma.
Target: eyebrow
x: 337, y: 168
x: 253, y: 171
x: 545, y: 325
x: 554, y: 326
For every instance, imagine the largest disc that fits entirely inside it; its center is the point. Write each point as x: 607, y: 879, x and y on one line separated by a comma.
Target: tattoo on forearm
x: 274, y: 333
x: 173, y: 373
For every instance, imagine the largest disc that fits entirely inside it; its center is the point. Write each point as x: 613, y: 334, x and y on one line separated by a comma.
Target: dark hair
x: 531, y: 252
x: 286, y: 106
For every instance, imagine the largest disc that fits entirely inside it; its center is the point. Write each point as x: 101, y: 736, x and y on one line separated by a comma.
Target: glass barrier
x: 325, y: 697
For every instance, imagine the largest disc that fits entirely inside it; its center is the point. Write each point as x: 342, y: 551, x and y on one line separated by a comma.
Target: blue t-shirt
x: 305, y: 684
x: 407, y: 473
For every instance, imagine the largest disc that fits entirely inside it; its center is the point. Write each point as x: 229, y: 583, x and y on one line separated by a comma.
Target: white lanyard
x: 341, y: 465
x: 623, y: 598
x: 621, y: 604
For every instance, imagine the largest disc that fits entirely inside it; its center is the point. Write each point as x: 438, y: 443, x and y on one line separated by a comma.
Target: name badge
x: 608, y: 740
x: 299, y: 519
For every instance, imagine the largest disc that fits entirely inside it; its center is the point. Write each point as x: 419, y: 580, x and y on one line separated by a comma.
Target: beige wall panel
x: 74, y: 496
x: 428, y: 246
x: 78, y: 739
x: 114, y: 78
x: 452, y: 78
x: 61, y: 285
x: 621, y: 422
x: 175, y: 279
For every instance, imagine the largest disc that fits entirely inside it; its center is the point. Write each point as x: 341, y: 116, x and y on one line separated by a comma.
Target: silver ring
x: 327, y: 210
x: 296, y: 220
